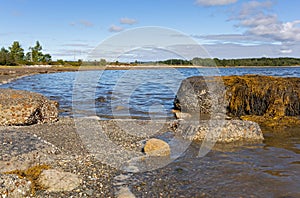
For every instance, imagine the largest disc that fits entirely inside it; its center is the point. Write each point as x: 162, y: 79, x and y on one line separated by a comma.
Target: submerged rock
x: 26, y: 108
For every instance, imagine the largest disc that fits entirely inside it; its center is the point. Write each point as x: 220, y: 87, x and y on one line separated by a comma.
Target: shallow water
x: 268, y: 169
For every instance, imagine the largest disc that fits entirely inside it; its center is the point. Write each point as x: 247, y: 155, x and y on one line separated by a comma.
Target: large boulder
x: 203, y: 95
x: 26, y: 108
x: 250, y: 97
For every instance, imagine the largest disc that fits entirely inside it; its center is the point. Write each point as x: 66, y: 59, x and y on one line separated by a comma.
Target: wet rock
x: 26, y: 108
x: 13, y: 186
x: 56, y: 181
x: 221, y: 131
x: 201, y: 95
x: 157, y: 147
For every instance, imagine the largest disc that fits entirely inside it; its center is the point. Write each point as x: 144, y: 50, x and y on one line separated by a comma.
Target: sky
x: 72, y: 30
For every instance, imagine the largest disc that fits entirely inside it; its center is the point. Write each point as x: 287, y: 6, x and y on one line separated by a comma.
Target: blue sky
x: 71, y: 29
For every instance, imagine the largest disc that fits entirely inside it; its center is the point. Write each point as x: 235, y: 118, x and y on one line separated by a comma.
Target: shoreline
x: 10, y: 73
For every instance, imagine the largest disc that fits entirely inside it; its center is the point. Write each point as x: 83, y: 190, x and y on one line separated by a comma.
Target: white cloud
x: 258, y: 20
x: 243, y: 39
x: 128, y: 21
x: 254, y: 7
x: 215, y: 2
x: 115, y: 28
x: 241, y: 51
x: 286, y: 51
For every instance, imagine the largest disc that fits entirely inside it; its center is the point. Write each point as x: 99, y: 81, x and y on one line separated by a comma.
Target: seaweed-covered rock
x: 25, y: 108
x: 248, y: 97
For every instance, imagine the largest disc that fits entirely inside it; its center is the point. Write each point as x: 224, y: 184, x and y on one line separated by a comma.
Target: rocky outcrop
x: 249, y: 97
x: 26, y: 108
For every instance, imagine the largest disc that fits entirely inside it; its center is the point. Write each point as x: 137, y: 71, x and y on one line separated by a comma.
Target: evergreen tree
x: 17, y: 52
x: 3, y: 56
x: 35, y: 55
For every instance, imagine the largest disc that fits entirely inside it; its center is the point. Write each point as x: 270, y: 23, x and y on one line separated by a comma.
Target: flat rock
x: 56, y: 181
x: 26, y: 108
x: 220, y: 130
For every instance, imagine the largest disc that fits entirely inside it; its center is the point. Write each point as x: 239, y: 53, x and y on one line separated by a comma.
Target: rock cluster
x: 25, y: 108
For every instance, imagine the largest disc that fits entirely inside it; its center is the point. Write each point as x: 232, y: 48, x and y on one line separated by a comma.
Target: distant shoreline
x: 9, y: 73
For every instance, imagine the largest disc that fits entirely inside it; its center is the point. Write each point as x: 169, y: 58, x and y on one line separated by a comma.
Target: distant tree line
x: 15, y: 55
x: 282, y: 61
x: 176, y: 62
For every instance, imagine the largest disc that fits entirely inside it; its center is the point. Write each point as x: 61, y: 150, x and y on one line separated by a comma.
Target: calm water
x: 141, y: 94
x: 269, y: 169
